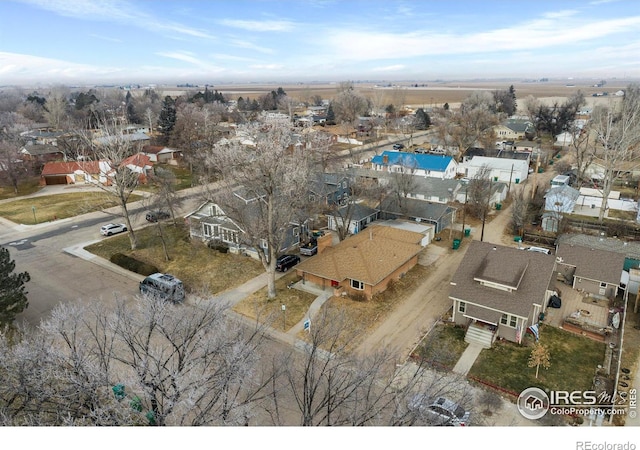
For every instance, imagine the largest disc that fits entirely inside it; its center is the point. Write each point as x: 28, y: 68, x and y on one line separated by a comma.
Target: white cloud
x: 259, y: 25
x: 250, y: 45
x: 393, y: 68
x: 266, y: 66
x: 119, y: 11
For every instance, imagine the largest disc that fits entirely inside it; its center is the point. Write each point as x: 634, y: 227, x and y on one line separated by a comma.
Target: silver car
x: 112, y: 228
x: 442, y: 411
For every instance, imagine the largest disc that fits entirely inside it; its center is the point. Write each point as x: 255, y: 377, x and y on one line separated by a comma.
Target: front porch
x: 480, y: 333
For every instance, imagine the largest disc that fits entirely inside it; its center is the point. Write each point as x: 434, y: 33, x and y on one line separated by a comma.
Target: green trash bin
x: 498, y: 206
x: 456, y: 244
x: 467, y: 231
x: 540, y: 170
x: 517, y: 239
x: 517, y: 180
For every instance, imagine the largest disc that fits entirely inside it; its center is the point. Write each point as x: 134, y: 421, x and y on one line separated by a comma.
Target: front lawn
x: 574, y: 360
x: 26, y: 186
x: 32, y: 210
x: 258, y: 306
x: 199, y: 267
x: 442, y: 347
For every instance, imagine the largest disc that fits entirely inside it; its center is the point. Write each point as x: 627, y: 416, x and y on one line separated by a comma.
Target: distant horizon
x: 120, y: 42
x: 440, y: 84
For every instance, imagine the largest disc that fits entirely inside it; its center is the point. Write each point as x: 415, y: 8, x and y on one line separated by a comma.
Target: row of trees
x: 151, y: 362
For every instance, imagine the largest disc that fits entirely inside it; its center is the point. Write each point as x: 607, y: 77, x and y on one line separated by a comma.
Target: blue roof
x: 422, y: 161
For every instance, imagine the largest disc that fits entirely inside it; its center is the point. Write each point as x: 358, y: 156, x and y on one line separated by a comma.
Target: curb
x: 79, y: 252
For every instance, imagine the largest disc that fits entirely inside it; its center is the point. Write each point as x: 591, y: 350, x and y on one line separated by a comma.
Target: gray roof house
x: 354, y: 215
x: 437, y: 214
x: 558, y: 200
x: 500, y: 291
x: 210, y: 224
x: 332, y: 188
x: 596, y: 271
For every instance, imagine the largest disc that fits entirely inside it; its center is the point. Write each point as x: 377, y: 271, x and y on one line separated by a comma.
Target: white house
x: 506, y: 170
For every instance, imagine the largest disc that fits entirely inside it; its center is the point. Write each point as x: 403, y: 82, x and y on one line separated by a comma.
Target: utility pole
x: 510, y: 176
x: 464, y: 208
x: 484, y: 210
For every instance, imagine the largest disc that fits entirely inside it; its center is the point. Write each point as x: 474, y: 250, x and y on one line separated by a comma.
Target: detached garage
x: 69, y: 172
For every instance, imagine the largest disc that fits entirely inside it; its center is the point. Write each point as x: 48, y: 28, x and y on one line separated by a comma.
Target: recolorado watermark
x: 590, y: 445
x: 534, y: 403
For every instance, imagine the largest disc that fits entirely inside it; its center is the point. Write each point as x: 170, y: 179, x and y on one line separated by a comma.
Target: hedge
x: 133, y: 265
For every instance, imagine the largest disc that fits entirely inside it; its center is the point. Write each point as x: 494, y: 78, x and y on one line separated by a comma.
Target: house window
x: 358, y: 285
x: 229, y: 236
x: 296, y: 231
x: 509, y: 320
x: 462, y: 307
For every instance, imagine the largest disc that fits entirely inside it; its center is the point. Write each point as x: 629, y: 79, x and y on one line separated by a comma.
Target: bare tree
x: 618, y: 135
x: 150, y: 362
x: 12, y: 167
x: 57, y: 107
x: 115, y: 177
x: 519, y: 209
x: 271, y: 175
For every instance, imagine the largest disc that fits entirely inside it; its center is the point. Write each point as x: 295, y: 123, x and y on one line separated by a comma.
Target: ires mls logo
x: 533, y: 403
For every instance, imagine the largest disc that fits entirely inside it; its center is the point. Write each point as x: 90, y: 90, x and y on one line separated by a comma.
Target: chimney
x: 325, y: 241
x: 385, y: 159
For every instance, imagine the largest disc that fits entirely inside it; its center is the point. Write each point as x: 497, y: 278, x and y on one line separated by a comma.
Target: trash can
x: 456, y: 244
x: 467, y: 231
x: 540, y: 170
x: 495, y: 178
x: 517, y: 180
x: 551, y: 162
x: 517, y: 239
x: 498, y: 206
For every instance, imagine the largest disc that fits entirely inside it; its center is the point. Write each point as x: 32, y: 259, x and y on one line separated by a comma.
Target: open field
x: 424, y: 94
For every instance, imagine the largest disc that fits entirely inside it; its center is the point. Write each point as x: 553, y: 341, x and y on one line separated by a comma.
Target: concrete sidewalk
x: 468, y: 357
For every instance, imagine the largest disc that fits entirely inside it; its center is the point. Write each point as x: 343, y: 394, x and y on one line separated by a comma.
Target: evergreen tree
x: 132, y: 115
x: 167, y: 119
x: 423, y: 121
x: 13, y: 297
x: 331, y: 116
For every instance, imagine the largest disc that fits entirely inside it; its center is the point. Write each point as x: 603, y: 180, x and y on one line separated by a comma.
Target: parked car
x: 163, y: 286
x: 154, y: 216
x: 285, y: 262
x: 442, y: 411
x: 398, y: 146
x: 112, y: 228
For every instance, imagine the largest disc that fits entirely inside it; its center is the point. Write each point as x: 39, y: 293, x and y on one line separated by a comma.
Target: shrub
x: 133, y: 265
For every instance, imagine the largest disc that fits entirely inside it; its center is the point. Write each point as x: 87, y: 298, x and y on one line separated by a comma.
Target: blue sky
x: 126, y: 41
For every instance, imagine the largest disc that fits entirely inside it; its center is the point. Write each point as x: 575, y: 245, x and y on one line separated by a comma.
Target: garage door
x: 55, y: 179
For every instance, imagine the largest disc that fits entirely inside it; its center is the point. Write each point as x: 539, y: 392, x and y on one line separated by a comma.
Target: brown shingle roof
x: 537, y: 272
x: 369, y: 256
x: 63, y: 168
x: 592, y: 263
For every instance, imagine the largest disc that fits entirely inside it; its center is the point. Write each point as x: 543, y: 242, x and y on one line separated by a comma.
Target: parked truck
x: 310, y: 248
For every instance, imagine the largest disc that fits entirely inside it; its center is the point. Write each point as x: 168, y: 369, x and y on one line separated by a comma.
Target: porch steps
x: 479, y: 336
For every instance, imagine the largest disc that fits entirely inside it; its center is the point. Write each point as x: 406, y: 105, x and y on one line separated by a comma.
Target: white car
x: 112, y: 228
